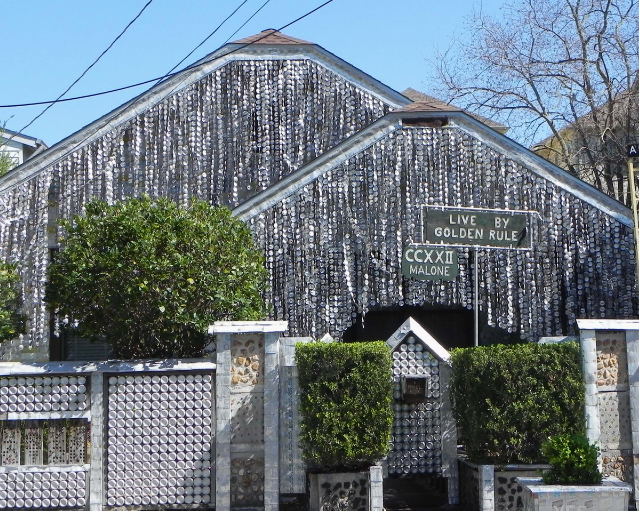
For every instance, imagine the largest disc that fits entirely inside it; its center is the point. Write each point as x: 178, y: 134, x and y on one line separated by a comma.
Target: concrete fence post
x: 375, y: 488
x: 96, y: 473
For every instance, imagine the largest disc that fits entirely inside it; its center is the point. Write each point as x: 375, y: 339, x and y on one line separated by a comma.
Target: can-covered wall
x: 222, y: 139
x: 334, y: 246
x: 242, y: 128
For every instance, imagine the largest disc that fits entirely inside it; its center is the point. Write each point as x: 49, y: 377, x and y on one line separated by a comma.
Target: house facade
x: 336, y: 174
x: 19, y: 147
x: 594, y: 146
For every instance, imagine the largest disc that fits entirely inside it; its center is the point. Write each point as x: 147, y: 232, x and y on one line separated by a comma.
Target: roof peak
x: 270, y: 36
x: 424, y: 103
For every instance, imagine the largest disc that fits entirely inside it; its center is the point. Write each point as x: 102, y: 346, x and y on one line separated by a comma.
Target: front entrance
x: 421, y: 465
x: 452, y: 327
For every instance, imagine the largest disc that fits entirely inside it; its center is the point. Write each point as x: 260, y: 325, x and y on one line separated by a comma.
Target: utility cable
x: 204, y: 40
x: 59, y: 98
x: 192, y: 66
x: 248, y: 20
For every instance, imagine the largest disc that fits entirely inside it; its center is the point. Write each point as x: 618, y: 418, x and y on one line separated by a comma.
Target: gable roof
x: 21, y: 138
x: 270, y: 37
x: 268, y: 45
x: 457, y: 119
x: 424, y: 103
x: 411, y: 326
x: 271, y: 45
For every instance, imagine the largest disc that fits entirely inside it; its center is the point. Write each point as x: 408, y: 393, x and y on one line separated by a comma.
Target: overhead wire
x: 58, y: 99
x: 248, y: 20
x: 206, y: 39
x: 192, y: 66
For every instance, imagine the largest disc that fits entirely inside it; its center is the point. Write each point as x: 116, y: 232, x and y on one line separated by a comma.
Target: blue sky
x: 47, y: 45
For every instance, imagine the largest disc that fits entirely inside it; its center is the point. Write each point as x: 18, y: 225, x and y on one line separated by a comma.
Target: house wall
x: 222, y: 139
x: 334, y: 246
x: 14, y: 149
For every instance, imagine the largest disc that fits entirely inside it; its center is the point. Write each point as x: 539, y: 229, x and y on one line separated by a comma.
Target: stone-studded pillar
x: 610, y: 363
x: 247, y: 414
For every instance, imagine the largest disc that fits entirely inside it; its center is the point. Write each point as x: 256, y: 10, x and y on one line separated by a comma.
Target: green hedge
x: 573, y: 459
x: 509, y: 399
x: 345, y: 403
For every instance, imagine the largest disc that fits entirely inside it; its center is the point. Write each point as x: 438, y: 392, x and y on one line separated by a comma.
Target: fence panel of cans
x: 44, y: 429
x: 159, y: 433
x: 81, y: 435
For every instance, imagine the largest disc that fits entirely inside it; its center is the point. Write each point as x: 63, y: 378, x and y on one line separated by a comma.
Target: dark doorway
x: 451, y: 327
x: 416, y: 492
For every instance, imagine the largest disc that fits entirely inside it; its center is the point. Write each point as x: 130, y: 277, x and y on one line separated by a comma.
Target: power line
x: 192, y: 66
x: 248, y: 20
x: 58, y: 99
x: 206, y: 39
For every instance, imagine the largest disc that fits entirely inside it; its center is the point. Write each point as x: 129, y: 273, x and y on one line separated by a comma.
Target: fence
x: 121, y: 434
x: 155, y: 434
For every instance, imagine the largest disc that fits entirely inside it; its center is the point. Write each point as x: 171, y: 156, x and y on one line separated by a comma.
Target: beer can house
x: 371, y: 206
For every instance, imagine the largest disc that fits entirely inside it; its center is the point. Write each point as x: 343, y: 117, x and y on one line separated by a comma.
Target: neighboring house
x: 19, y: 147
x: 594, y: 147
x: 332, y: 171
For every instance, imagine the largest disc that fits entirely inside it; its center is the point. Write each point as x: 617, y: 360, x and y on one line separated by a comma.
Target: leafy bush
x: 345, y: 403
x: 573, y: 460
x: 149, y: 277
x: 12, y: 322
x: 508, y: 400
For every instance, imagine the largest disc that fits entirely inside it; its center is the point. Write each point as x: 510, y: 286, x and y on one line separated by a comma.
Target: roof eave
x: 393, y: 121
x: 188, y: 76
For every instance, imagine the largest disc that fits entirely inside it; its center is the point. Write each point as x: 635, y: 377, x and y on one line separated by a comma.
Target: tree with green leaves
x: 12, y: 322
x: 149, y: 277
x: 7, y: 162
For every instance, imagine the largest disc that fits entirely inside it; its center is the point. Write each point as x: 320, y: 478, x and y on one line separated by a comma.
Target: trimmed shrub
x: 345, y: 404
x: 509, y: 399
x: 573, y: 460
x: 149, y: 276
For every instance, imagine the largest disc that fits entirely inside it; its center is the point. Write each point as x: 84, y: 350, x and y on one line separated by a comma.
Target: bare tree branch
x: 565, y: 81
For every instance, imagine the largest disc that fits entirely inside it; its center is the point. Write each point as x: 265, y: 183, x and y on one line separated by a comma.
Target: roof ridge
x: 270, y: 36
x: 425, y: 102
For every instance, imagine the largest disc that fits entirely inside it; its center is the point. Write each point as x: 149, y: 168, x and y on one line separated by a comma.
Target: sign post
x: 632, y: 152
x: 476, y: 277
x: 478, y: 228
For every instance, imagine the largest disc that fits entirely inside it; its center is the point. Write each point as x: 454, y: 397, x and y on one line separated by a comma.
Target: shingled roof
x: 269, y: 37
x: 424, y: 103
